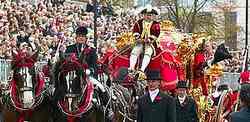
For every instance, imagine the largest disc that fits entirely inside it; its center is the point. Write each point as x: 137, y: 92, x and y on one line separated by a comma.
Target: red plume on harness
x: 244, y: 77
x: 23, y: 59
x: 72, y: 63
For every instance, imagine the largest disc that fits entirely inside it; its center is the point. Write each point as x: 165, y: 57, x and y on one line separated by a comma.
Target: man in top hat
x: 80, y: 48
x: 244, y: 114
x: 146, y: 32
x: 185, y: 105
x: 230, y: 99
x: 155, y: 106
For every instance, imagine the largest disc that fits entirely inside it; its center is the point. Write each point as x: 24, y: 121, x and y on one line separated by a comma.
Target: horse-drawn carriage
x: 179, y: 58
x: 75, y: 96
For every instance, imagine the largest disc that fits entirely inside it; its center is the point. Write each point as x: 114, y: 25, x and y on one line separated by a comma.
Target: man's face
x: 81, y: 39
x: 181, y: 92
x: 148, y: 17
x: 153, y: 84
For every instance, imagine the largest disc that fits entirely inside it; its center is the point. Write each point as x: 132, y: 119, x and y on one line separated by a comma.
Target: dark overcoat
x: 242, y: 116
x: 89, y: 54
x: 162, y: 109
x: 186, y: 112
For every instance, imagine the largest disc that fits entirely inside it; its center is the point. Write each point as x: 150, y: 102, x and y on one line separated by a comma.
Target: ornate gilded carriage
x: 176, y: 64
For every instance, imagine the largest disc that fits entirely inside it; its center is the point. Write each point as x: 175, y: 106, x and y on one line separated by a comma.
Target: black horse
x: 27, y: 99
x: 74, y: 97
x: 124, y: 92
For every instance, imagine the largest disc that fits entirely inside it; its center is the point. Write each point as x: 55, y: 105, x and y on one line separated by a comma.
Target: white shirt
x: 216, y: 94
x: 153, y: 94
x: 181, y: 99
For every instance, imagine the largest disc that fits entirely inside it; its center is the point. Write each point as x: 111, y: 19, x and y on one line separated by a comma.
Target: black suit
x: 161, y: 110
x: 187, y: 112
x: 89, y: 54
x: 242, y: 116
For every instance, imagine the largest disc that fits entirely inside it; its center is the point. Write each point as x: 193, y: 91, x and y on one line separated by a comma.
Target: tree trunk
x: 192, y: 24
x: 177, y: 14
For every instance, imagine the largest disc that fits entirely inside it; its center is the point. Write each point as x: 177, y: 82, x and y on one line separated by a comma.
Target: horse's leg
x: 97, y: 116
x: 9, y: 116
x: 40, y: 115
x: 56, y: 114
x: 88, y: 117
x: 117, y: 117
x: 1, y: 116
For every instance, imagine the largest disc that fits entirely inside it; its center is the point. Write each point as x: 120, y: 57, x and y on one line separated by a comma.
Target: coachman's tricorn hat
x: 150, y: 10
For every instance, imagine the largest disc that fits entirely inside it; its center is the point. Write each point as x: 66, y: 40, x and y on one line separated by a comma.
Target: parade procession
x: 121, y: 61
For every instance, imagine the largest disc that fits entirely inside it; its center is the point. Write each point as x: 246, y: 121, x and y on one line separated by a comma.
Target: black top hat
x: 182, y: 84
x: 153, y: 75
x: 223, y: 87
x: 81, y: 31
x: 149, y: 10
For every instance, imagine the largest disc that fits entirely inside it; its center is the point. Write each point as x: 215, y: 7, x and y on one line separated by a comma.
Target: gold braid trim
x: 146, y: 29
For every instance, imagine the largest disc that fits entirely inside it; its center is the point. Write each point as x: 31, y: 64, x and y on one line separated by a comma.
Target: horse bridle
x: 37, y: 99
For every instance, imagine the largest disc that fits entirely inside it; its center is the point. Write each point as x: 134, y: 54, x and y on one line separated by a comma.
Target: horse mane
x: 61, y: 68
x: 65, y: 65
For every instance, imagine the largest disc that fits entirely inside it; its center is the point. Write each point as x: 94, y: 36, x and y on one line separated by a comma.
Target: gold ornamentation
x: 190, y: 44
x: 167, y: 25
x: 124, y: 40
x: 215, y: 70
x: 142, y: 75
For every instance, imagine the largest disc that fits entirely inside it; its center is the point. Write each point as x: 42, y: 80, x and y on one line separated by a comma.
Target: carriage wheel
x: 220, y: 109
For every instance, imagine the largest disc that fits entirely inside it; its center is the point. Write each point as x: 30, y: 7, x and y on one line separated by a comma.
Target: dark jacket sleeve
x: 70, y: 49
x: 230, y: 119
x: 67, y: 50
x: 139, y: 112
x: 193, y: 111
x: 92, y: 62
x: 155, y: 29
x: 171, y: 109
x: 136, y: 28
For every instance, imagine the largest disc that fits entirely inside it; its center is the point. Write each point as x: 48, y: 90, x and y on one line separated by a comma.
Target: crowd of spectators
x: 235, y: 64
x: 48, y: 23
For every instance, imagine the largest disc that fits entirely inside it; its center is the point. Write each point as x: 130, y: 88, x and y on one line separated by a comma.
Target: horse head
x: 73, y: 91
x: 26, y: 83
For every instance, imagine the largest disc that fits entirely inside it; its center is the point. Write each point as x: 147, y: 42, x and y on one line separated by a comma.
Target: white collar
x: 153, y: 94
x: 216, y: 94
x: 181, y: 99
